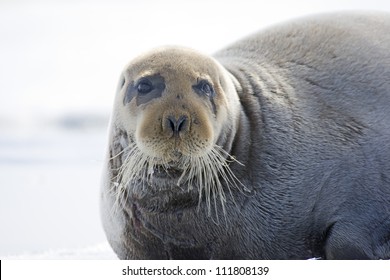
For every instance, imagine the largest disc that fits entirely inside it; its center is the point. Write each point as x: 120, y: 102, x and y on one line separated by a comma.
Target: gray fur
x: 314, y: 144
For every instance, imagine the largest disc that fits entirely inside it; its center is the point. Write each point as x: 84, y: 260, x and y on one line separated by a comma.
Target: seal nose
x: 177, y: 125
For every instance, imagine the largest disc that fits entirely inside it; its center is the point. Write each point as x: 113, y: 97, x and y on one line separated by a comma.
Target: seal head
x: 177, y: 112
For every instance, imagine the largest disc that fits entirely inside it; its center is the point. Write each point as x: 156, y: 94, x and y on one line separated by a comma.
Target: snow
x: 101, y: 251
x: 59, y: 66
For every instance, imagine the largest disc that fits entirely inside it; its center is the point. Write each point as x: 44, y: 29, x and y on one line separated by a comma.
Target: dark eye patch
x: 145, y: 89
x: 204, y: 88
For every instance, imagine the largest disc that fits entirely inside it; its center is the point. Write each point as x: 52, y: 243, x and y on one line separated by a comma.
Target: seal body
x: 278, y: 147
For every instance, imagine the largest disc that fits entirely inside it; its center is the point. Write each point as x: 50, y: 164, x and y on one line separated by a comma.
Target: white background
x: 59, y: 66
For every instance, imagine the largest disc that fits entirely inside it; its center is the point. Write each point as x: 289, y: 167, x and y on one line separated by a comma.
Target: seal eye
x: 204, y: 87
x: 144, y: 86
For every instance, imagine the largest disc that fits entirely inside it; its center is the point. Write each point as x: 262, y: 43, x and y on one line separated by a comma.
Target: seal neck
x: 250, y: 120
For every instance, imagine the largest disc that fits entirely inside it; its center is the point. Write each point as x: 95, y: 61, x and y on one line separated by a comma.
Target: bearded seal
x: 277, y: 147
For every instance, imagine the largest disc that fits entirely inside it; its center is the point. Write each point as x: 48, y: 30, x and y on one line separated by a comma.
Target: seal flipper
x: 381, y: 241
x: 345, y: 242
x: 349, y: 242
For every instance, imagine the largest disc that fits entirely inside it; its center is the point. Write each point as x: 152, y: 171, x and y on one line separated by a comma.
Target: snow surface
x: 101, y: 251
x: 59, y: 66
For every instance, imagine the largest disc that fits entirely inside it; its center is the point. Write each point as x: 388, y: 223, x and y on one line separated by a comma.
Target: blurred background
x: 60, y: 61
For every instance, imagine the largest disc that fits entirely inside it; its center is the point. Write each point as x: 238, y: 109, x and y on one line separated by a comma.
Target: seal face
x: 272, y: 149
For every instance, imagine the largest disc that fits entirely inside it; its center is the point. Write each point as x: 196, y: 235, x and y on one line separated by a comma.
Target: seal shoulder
x: 340, y: 58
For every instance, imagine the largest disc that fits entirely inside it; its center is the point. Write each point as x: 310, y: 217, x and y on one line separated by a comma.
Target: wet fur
x: 312, y: 146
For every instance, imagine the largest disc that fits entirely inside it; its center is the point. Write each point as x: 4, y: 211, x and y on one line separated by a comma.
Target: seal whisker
x: 205, y: 171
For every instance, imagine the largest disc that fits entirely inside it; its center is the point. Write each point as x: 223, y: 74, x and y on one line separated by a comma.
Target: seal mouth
x: 167, y: 172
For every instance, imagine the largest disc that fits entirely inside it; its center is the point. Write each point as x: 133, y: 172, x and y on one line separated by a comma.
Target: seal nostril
x: 181, y: 123
x: 171, y: 123
x: 177, y: 125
